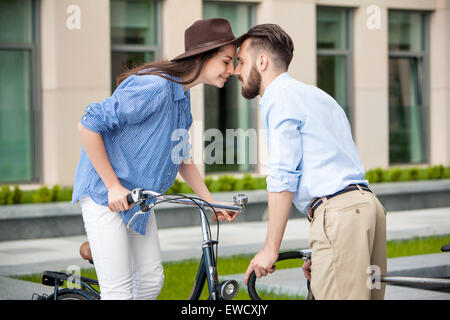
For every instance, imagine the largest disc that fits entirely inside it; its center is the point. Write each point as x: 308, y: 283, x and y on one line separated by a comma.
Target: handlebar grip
x: 251, y: 287
x: 130, y: 199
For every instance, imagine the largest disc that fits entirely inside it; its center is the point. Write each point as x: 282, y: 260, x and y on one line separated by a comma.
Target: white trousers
x: 128, y: 265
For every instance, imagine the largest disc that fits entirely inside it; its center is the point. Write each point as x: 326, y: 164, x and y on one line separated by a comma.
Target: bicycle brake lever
x: 133, y: 217
x: 151, y: 205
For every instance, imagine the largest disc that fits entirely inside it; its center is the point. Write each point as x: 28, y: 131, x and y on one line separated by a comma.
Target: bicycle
x: 207, y: 271
x: 436, y: 284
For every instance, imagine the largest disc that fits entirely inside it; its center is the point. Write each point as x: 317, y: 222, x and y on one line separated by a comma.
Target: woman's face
x: 217, y: 69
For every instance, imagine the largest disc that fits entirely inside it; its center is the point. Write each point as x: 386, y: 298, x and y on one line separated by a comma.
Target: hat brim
x: 190, y: 53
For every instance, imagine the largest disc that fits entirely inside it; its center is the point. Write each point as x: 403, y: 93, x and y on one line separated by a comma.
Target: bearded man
x: 313, y: 163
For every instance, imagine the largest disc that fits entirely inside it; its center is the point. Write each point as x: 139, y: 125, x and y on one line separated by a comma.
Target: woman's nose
x: 230, y: 69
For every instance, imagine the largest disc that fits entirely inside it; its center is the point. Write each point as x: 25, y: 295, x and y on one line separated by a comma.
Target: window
x: 334, y: 55
x: 408, y: 93
x: 19, y: 94
x: 226, y: 108
x: 135, y: 34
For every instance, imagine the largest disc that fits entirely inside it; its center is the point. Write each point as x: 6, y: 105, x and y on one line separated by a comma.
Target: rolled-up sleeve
x: 132, y: 102
x: 285, y: 149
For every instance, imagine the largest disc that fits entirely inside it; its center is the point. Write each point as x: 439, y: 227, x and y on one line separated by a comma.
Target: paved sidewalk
x: 34, y: 256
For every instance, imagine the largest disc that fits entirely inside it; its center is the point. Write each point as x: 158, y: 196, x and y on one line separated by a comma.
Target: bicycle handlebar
x: 139, y: 195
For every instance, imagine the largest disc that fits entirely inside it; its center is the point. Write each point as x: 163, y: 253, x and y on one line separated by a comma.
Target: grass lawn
x: 179, y: 276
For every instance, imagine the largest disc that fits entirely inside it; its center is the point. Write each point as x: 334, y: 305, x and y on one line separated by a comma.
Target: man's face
x: 247, y: 72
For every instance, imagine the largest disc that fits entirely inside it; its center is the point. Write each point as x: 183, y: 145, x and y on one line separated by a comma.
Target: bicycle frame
x: 207, y: 271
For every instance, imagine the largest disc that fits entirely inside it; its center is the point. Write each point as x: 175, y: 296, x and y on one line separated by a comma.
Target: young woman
x: 129, y: 142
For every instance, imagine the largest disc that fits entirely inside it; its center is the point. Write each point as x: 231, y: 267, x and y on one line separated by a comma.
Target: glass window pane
x: 238, y: 14
x: 331, y: 78
x: 225, y: 108
x: 405, y: 31
x: 331, y: 28
x: 123, y: 60
x: 133, y: 22
x: 406, y: 113
x: 16, y: 21
x: 16, y: 140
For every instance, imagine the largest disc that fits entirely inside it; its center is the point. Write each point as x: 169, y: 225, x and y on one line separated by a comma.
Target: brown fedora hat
x: 205, y: 35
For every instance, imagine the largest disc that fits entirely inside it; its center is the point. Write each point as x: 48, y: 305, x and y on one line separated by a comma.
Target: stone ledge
x: 29, y: 221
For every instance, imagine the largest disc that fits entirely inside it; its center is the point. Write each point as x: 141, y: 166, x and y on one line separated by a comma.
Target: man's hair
x: 273, y: 39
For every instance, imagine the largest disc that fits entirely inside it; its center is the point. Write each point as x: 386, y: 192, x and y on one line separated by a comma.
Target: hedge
x: 14, y: 195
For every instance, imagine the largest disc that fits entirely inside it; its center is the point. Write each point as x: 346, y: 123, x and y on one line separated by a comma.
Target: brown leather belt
x: 318, y: 201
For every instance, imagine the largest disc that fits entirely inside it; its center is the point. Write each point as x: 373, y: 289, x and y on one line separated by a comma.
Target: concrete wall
x: 75, y: 72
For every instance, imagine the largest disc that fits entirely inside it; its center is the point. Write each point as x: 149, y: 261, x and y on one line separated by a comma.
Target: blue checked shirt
x: 311, y: 148
x: 144, y: 128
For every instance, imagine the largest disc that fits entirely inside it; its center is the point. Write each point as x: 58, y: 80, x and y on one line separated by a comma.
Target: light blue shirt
x: 311, y: 148
x: 139, y: 125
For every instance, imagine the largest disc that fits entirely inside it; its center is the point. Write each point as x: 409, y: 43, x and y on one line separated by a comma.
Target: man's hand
x: 307, y: 269
x: 262, y: 264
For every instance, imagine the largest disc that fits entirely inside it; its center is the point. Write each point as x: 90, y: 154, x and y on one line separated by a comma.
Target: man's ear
x: 262, y: 62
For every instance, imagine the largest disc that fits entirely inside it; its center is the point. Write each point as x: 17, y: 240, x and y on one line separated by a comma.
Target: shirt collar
x: 178, y: 90
x: 273, y: 85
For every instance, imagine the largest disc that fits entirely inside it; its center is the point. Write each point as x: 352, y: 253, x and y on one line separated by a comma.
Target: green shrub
x: 446, y: 173
x: 6, y: 196
x: 43, y: 195
x: 209, y: 182
x: 395, y: 174
x: 65, y: 194
x: 56, y: 190
x: 17, y: 195
x: 226, y: 183
x: 175, y: 188
x: 246, y: 183
x: 185, y: 189
x: 260, y: 183
x: 376, y: 175
x: 435, y: 172
x: 414, y: 174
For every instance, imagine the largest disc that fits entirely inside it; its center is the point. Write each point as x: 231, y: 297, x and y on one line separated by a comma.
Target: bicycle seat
x: 85, y: 252
x: 445, y: 248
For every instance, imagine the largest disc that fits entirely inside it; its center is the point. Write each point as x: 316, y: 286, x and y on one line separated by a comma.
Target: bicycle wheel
x: 72, y: 294
x: 251, y: 285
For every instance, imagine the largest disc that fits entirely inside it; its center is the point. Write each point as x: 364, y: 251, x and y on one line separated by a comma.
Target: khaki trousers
x: 348, y: 244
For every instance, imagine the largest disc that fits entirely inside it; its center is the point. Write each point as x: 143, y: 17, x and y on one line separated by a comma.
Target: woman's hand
x: 224, y: 214
x: 117, y: 198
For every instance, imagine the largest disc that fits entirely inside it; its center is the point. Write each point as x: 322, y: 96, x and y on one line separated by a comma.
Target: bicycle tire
x: 252, y: 279
x: 72, y: 294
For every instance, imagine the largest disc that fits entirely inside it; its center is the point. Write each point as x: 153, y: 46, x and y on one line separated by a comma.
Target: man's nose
x: 237, y: 71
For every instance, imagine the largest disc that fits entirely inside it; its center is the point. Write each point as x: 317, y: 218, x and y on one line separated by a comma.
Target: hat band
x: 210, y: 43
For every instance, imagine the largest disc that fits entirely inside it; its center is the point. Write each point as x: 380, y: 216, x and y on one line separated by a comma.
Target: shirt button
x: 162, y: 190
x: 89, y: 108
x: 84, y: 118
x: 169, y: 173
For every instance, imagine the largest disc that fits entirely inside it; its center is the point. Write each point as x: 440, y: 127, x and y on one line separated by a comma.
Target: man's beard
x: 253, y: 84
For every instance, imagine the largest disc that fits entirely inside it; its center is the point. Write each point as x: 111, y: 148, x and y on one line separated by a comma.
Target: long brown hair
x: 177, y: 68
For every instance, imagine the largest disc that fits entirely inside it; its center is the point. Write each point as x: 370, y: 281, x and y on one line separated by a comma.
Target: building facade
x: 387, y: 63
